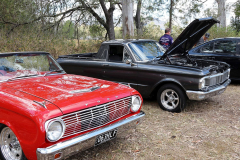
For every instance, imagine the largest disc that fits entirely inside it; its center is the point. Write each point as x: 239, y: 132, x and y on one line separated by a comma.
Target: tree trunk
x: 170, y: 14
x: 110, y: 29
x: 138, y: 19
x: 109, y: 18
x: 221, y: 12
x: 78, y: 37
x: 127, y: 12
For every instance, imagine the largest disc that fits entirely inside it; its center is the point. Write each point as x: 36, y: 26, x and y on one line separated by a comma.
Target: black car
x: 221, y: 49
x: 170, y: 76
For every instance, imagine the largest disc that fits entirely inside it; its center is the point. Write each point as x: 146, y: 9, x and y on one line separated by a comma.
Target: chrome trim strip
x: 85, y: 90
x: 43, y: 104
x: 135, y: 84
x: 87, y: 140
x: 200, y: 95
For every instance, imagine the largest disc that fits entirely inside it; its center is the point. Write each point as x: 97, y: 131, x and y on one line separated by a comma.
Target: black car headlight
x: 202, y: 83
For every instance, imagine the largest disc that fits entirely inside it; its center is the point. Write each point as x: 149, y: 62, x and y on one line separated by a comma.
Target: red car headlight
x: 136, y: 103
x: 54, y: 129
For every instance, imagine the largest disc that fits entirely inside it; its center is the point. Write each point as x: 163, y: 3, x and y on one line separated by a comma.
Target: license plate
x: 106, y: 137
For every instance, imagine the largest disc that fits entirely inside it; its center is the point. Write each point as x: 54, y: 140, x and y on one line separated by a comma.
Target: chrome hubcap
x: 169, y: 99
x: 10, y: 145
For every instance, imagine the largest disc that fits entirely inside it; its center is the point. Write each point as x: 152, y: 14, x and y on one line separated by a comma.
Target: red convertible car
x: 48, y: 114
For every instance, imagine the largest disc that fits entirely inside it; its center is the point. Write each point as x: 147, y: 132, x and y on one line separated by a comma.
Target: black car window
x: 207, y: 48
x: 225, y: 46
x: 138, y: 58
x: 102, y: 52
x: 126, y: 55
x: 115, y: 53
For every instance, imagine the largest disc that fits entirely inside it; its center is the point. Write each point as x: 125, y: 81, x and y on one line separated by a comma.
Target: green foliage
x: 68, y: 29
x: 118, y: 32
x: 16, y: 12
x: 220, y: 32
x: 237, y: 8
x: 96, y: 30
x: 235, y: 21
x: 185, y: 10
x: 152, y: 31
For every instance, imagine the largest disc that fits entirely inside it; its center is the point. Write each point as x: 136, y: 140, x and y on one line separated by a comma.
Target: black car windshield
x: 146, y: 50
x: 21, y: 65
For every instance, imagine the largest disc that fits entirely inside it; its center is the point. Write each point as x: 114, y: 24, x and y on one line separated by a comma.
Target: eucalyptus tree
x: 127, y: 18
x: 222, y: 12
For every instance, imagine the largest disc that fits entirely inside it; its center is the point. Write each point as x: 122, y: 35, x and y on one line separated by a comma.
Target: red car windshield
x: 14, y: 66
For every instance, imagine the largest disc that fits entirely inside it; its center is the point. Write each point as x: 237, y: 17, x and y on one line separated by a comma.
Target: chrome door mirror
x: 128, y: 61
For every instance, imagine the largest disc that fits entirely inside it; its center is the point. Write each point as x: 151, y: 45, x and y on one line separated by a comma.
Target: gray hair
x: 167, y: 30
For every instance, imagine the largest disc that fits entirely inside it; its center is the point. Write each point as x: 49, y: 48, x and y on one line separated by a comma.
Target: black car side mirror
x: 128, y: 61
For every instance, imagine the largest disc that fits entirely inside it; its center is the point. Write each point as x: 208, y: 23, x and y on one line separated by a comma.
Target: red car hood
x: 71, y: 92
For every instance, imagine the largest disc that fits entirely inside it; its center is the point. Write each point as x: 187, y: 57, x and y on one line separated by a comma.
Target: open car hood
x: 190, y: 36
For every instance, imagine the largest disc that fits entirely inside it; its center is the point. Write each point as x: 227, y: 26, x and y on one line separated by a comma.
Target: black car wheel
x: 171, y: 98
x: 10, y: 148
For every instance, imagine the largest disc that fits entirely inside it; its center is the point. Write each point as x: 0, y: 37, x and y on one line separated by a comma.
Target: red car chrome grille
x: 97, y: 116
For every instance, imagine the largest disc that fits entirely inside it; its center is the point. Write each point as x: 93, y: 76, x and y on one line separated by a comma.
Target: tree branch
x: 104, y: 7
x: 100, y: 20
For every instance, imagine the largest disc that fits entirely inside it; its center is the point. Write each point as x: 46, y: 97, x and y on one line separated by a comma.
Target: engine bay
x: 216, y: 66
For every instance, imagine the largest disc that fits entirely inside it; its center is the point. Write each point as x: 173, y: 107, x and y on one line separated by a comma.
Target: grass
x: 55, y: 45
x: 206, y: 129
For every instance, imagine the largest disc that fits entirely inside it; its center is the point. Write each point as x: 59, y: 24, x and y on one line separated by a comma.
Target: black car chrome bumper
x: 83, y: 142
x: 200, y: 95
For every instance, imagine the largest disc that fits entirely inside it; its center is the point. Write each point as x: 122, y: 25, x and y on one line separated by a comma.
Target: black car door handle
x: 105, y: 65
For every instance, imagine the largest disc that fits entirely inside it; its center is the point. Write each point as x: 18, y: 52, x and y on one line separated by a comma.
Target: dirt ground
x: 208, y: 129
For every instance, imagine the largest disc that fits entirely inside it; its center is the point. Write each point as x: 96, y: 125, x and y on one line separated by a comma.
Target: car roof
x: 125, y: 41
x: 238, y: 38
